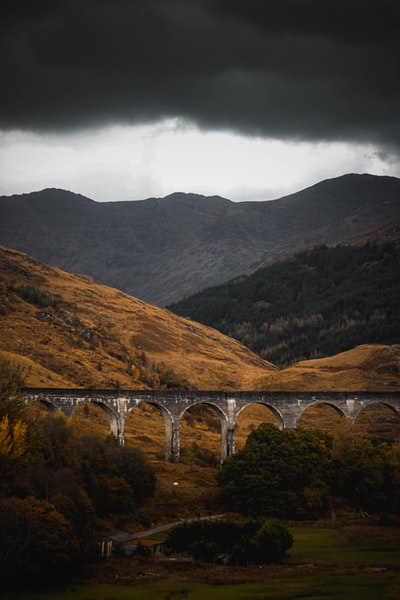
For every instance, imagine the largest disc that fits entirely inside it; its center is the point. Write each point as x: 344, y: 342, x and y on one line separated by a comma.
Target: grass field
x: 316, y: 587
x: 324, y: 563
x: 316, y: 544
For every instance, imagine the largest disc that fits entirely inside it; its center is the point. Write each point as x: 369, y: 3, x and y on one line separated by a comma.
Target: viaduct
x: 286, y: 406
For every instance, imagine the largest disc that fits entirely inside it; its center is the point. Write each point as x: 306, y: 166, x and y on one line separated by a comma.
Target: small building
x: 129, y: 544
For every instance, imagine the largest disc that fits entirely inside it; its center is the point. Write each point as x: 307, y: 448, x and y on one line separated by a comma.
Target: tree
x: 117, y: 479
x: 35, y: 540
x: 369, y: 476
x: 237, y: 542
x: 12, y: 381
x: 271, y: 542
x: 13, y: 429
x: 282, y: 474
x: 13, y: 442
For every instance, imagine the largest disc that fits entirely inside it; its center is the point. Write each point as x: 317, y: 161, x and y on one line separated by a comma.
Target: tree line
x: 298, y: 474
x: 293, y: 474
x: 316, y: 303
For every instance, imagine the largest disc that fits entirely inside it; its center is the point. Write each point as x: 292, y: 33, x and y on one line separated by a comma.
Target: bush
x: 271, y: 542
x: 232, y: 541
x: 35, y: 296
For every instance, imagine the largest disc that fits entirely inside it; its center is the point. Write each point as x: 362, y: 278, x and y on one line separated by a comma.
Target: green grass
x: 314, y: 587
x: 315, y: 544
x: 312, y: 545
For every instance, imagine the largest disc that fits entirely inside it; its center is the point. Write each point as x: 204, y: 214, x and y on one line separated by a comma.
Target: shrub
x: 232, y: 541
x: 35, y: 296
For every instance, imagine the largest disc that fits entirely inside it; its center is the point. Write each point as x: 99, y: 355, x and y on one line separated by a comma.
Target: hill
x: 373, y: 367
x: 164, y: 249
x: 70, y: 331
x: 316, y: 303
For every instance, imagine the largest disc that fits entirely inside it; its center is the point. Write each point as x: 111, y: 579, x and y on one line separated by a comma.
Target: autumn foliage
x: 59, y: 488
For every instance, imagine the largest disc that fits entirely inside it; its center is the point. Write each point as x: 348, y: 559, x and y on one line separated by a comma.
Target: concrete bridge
x: 286, y: 406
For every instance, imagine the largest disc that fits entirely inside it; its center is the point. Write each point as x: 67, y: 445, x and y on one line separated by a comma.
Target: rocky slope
x: 163, y: 249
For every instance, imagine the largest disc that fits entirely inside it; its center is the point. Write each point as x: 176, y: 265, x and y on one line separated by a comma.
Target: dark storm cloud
x: 300, y: 69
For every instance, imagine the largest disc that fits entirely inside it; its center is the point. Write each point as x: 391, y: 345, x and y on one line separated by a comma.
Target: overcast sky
x: 248, y: 99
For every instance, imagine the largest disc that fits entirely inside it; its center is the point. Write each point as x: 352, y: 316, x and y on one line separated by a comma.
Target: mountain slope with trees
x: 316, y: 303
x: 163, y: 249
x: 70, y: 331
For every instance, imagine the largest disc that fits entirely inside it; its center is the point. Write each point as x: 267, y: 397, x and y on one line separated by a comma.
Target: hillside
x: 373, y: 367
x: 316, y: 303
x: 387, y: 233
x: 69, y: 331
x: 164, y: 249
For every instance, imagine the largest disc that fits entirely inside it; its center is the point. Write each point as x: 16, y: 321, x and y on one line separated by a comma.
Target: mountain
x: 69, y: 331
x: 315, y: 303
x: 162, y: 250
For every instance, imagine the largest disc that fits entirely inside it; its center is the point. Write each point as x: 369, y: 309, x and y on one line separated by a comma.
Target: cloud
x: 287, y: 69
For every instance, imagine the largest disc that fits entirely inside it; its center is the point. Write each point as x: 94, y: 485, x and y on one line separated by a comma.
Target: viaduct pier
x: 287, y: 407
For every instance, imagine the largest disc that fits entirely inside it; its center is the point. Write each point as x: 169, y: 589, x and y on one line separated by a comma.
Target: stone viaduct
x: 286, y: 406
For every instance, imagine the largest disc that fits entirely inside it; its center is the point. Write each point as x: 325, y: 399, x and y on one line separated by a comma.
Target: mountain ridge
x: 162, y: 250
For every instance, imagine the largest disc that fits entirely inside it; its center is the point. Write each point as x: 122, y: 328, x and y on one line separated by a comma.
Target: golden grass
x: 95, y: 336
x: 369, y: 367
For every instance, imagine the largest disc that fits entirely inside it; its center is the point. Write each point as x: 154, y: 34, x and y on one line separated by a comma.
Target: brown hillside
x: 70, y: 331
x: 371, y: 367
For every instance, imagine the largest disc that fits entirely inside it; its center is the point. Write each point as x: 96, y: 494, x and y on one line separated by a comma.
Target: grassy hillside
x: 70, y: 331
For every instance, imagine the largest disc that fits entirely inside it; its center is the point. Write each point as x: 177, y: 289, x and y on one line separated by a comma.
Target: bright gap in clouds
x: 138, y: 162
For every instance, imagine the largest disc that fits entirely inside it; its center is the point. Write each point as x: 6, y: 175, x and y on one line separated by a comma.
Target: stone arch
x: 114, y: 419
x: 380, y: 419
x: 276, y: 419
x: 167, y: 418
x: 224, y: 444
x: 47, y: 404
x: 320, y: 416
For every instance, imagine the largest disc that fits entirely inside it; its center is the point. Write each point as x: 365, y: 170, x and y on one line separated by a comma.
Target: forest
x: 316, y: 303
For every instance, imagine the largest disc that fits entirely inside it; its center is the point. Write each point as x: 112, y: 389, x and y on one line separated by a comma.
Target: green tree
x: 369, y: 476
x: 118, y: 479
x: 237, y: 542
x: 282, y: 474
x: 271, y: 542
